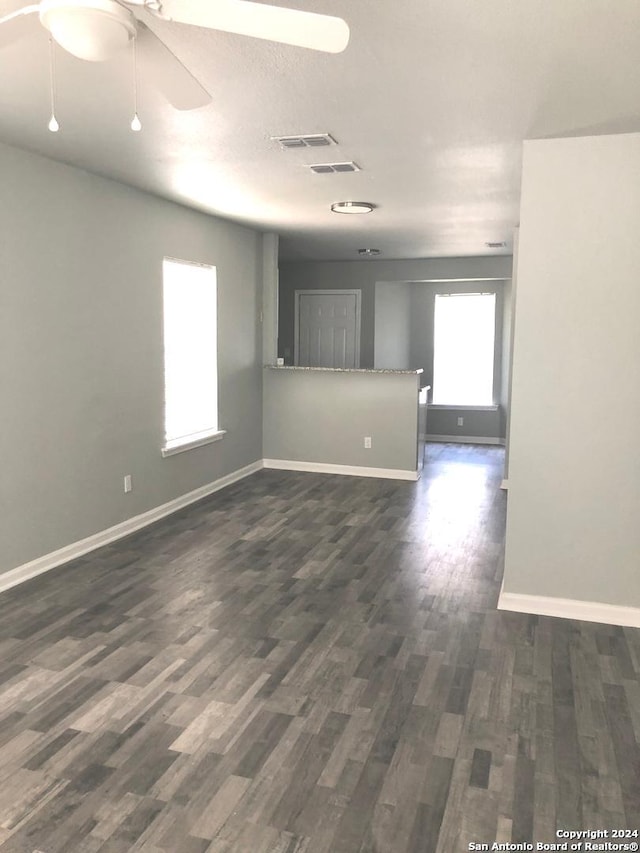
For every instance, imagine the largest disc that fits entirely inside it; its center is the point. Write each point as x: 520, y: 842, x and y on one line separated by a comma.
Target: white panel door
x: 328, y: 329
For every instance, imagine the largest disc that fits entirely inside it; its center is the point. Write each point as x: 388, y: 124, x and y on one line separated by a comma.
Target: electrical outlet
x: 367, y: 442
x: 460, y: 421
x: 127, y: 483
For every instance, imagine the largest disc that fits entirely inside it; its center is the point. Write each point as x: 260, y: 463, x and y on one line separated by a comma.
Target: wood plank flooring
x: 306, y: 663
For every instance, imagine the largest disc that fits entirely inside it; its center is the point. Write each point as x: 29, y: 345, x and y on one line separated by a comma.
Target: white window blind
x: 190, y: 352
x: 463, y: 349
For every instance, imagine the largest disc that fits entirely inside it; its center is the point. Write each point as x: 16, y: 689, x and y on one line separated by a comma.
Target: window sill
x: 172, y: 449
x: 451, y: 408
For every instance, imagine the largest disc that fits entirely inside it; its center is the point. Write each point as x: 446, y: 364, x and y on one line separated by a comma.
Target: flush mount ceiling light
x: 352, y: 207
x: 89, y: 29
x: 368, y: 253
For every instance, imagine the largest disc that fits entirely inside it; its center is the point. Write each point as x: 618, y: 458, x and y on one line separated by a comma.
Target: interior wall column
x: 269, y: 298
x: 514, y: 288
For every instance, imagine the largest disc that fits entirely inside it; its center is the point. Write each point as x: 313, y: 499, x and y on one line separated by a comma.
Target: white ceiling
x: 432, y: 98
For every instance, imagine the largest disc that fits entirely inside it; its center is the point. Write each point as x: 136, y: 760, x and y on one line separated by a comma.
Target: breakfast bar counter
x: 342, y: 420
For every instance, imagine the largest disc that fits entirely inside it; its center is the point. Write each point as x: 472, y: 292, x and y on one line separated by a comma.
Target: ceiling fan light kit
x: 93, y: 30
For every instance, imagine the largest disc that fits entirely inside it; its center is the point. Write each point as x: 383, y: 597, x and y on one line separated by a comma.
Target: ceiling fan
x: 96, y: 30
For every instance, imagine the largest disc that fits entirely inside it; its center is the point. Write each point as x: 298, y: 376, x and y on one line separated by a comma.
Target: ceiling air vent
x: 330, y: 168
x: 313, y: 140
x: 500, y: 245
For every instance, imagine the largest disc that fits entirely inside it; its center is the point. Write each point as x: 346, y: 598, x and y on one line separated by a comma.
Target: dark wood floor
x: 310, y: 663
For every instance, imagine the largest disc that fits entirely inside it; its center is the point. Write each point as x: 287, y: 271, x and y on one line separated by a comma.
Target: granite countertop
x: 344, y: 369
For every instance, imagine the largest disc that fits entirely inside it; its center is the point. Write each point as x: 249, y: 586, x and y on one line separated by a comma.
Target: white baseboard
x: 78, y: 549
x: 568, y: 608
x: 348, y: 470
x: 505, y: 485
x: 467, y: 439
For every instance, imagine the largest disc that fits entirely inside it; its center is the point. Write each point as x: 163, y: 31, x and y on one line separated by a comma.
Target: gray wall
x: 363, y: 275
x: 574, y: 475
x: 476, y: 423
x: 384, y: 286
x: 323, y: 416
x: 509, y: 337
x: 392, y: 340
x: 506, y: 347
x: 81, y: 368
x: 269, y: 298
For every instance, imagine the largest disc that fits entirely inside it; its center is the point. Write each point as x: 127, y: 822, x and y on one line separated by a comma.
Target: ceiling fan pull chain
x: 136, y: 124
x: 53, y: 125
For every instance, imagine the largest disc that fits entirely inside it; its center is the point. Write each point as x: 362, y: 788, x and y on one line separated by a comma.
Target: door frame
x: 313, y: 292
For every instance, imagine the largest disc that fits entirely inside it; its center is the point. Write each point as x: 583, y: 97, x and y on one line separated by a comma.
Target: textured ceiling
x: 431, y: 99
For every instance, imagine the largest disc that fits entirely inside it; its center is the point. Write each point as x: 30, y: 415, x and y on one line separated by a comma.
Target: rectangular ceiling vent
x: 313, y: 140
x: 332, y: 168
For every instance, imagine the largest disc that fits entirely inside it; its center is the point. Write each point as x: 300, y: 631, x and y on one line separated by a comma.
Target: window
x: 463, y: 349
x: 190, y: 355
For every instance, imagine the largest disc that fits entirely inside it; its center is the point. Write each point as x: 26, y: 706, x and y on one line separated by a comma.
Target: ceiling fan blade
x: 164, y: 70
x: 15, y: 23
x: 288, y: 26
